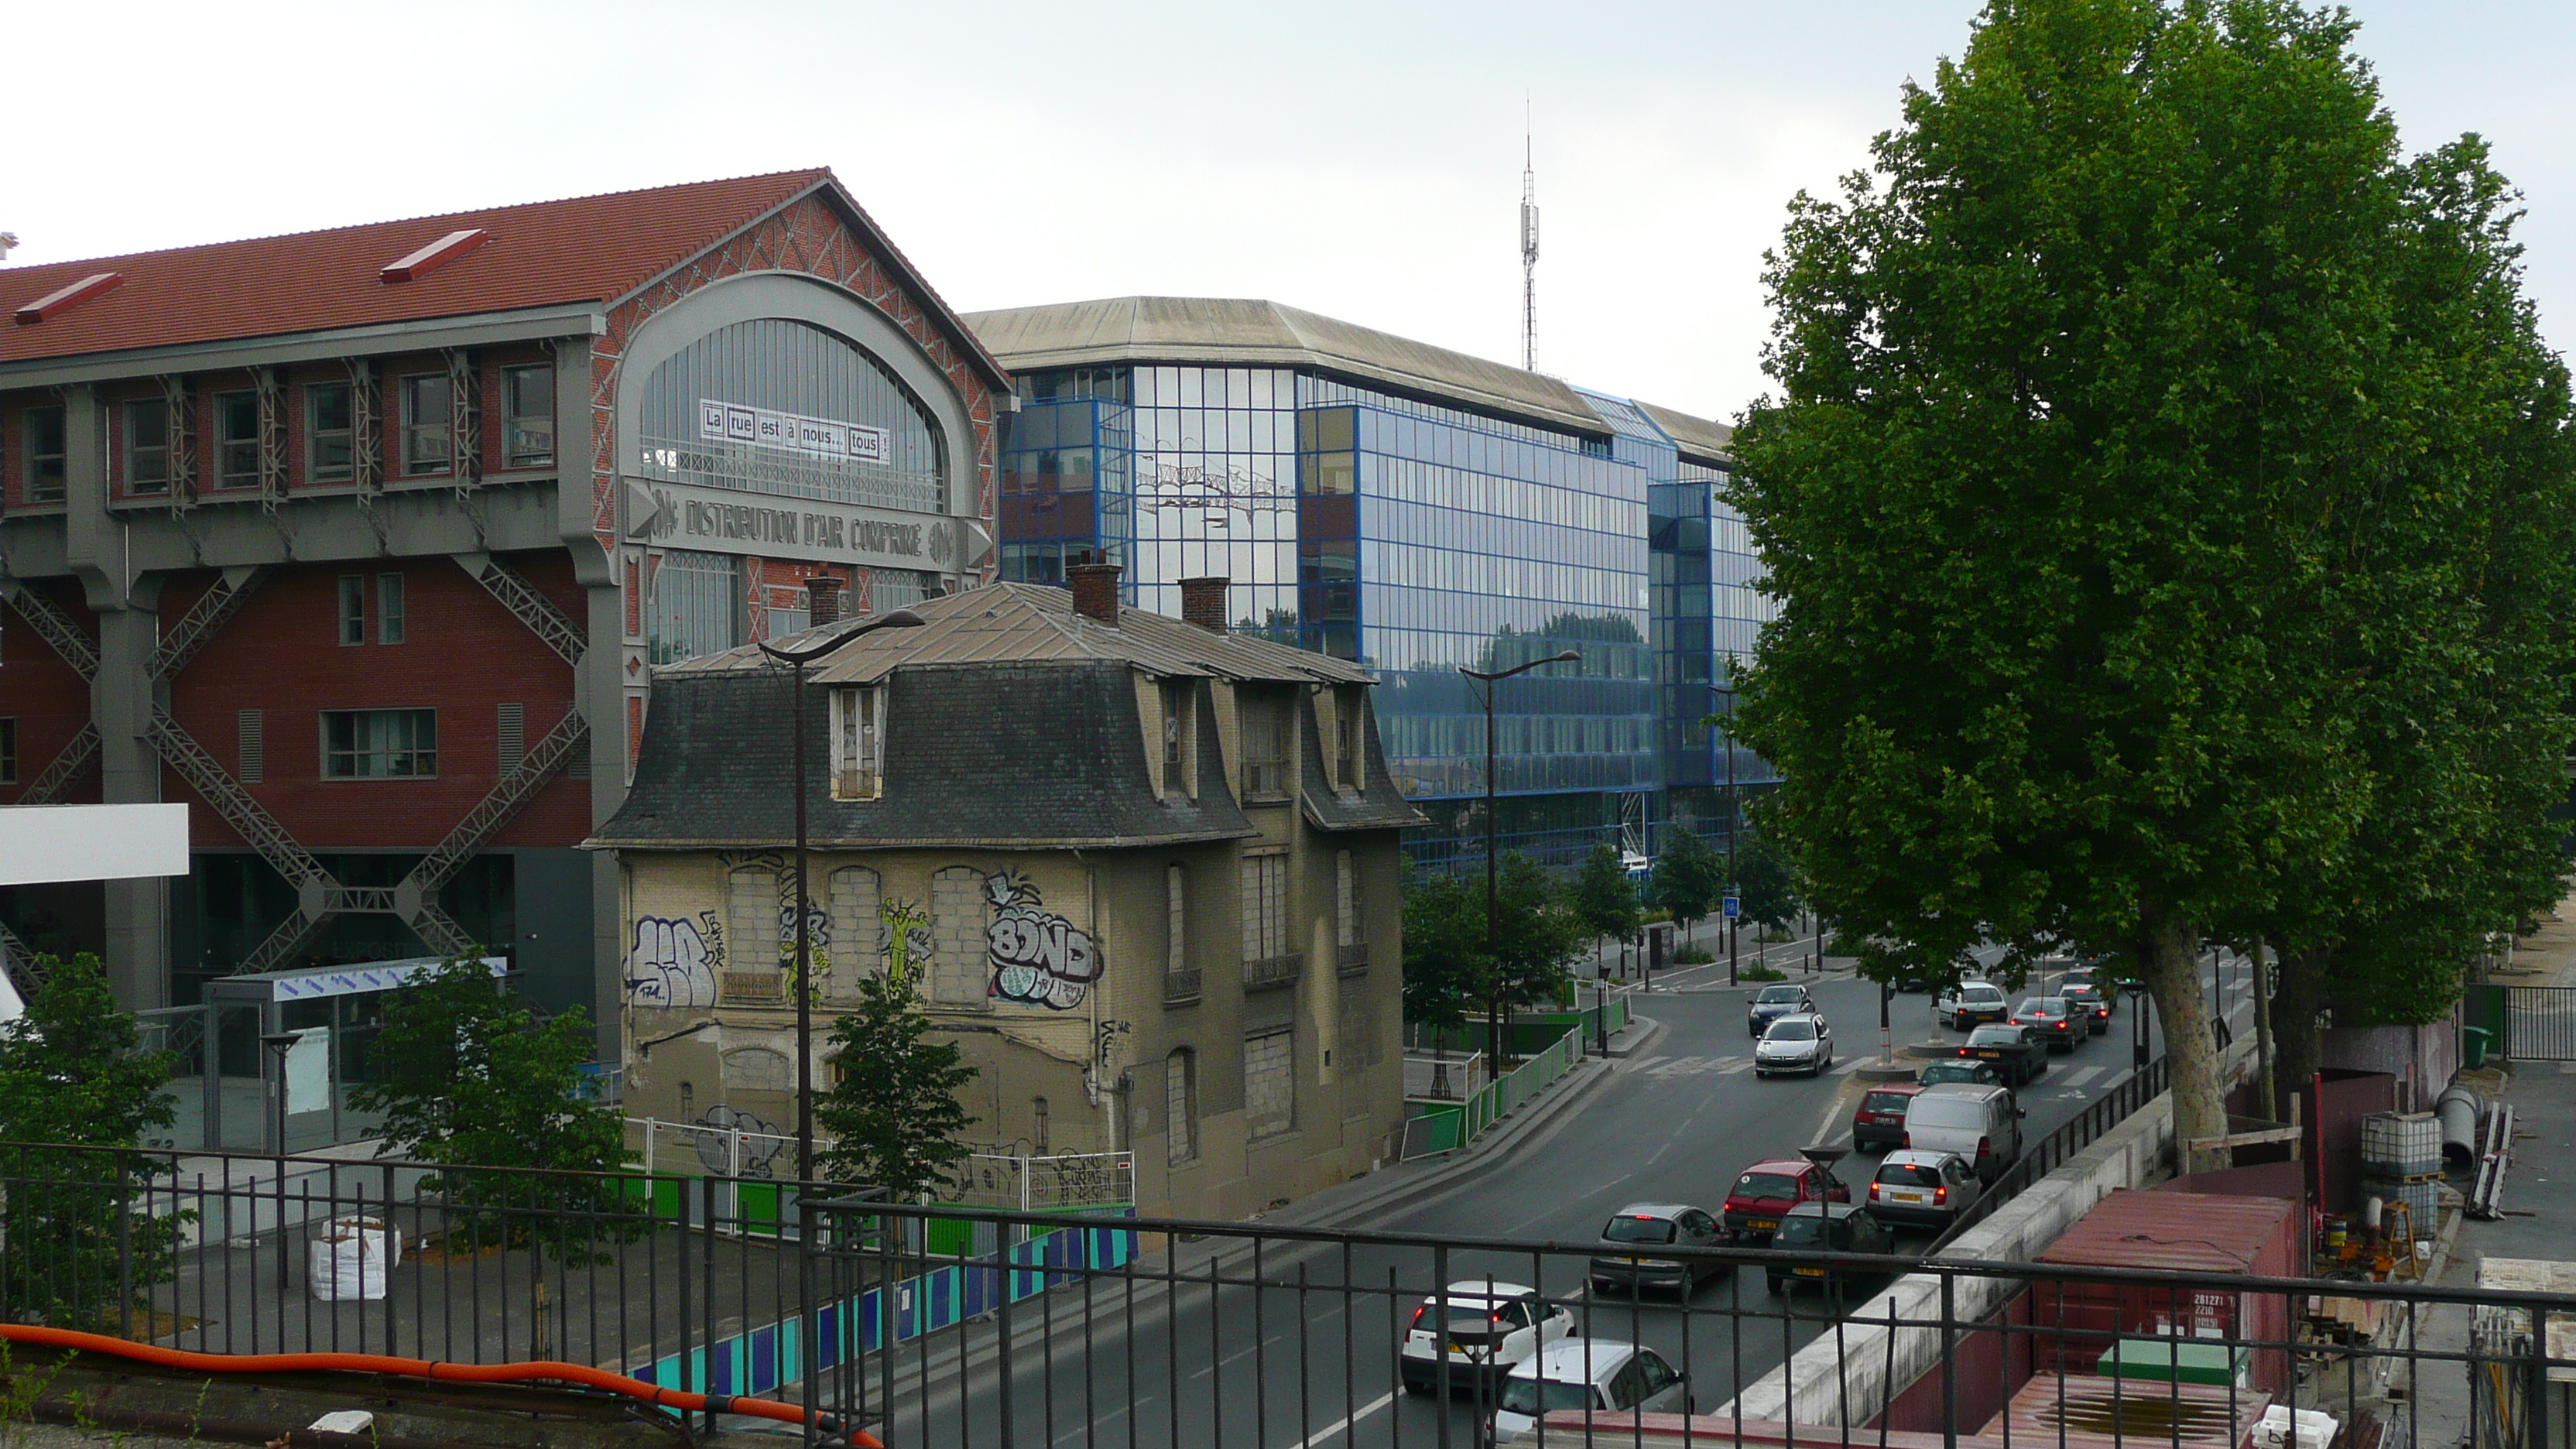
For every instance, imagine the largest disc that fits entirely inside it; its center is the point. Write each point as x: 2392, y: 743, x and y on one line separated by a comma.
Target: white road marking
x: 1320, y: 1435
x: 2077, y: 1079
x: 1855, y: 1064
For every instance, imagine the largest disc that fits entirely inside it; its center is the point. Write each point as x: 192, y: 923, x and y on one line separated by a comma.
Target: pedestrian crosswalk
x: 1672, y: 1068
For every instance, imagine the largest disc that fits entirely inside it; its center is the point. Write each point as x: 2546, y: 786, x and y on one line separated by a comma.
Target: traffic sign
x: 1734, y: 907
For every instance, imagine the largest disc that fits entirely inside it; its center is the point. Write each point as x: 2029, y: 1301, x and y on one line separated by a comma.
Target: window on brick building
x: 390, y: 625
x: 427, y: 443
x: 40, y: 437
x: 236, y: 440
x: 329, y: 434
x: 353, y: 609
x: 8, y: 752
x: 379, y: 744
x: 147, y: 445
x: 527, y: 417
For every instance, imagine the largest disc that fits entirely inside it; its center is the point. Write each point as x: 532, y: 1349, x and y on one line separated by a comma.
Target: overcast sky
x: 1361, y: 160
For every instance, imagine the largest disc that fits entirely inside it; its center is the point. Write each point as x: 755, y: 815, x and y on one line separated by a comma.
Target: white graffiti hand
x: 669, y: 966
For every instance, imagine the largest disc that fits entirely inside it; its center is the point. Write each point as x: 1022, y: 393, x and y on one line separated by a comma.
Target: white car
x: 1596, y: 1375
x: 1971, y: 1002
x: 1491, y: 1328
x: 1800, y: 1043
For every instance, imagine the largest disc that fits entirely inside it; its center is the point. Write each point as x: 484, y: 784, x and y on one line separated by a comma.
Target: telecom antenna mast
x: 1529, y: 255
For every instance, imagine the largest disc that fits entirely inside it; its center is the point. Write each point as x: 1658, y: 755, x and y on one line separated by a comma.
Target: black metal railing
x: 937, y: 1325
x: 2072, y: 1136
x: 2540, y: 1023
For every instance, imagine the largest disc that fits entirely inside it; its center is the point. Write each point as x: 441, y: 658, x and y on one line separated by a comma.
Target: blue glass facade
x: 1415, y: 538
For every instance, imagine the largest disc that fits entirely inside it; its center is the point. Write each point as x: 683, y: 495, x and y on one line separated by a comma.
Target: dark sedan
x: 2015, y: 1051
x: 2087, y: 1001
x: 2053, y: 1021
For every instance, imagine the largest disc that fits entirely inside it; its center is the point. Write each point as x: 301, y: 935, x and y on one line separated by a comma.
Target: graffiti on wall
x: 675, y: 961
x: 734, y: 1142
x: 818, y: 934
x: 1039, y: 958
x: 907, y: 942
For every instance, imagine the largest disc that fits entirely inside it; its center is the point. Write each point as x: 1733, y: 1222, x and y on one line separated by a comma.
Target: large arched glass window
x: 782, y: 407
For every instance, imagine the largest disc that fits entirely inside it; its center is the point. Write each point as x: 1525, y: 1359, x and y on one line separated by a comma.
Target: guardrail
x: 1448, y: 1130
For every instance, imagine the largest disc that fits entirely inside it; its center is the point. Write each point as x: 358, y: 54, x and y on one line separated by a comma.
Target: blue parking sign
x: 1734, y: 907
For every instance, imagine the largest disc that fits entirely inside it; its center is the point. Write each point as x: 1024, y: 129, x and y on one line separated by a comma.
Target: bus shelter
x: 297, y: 1041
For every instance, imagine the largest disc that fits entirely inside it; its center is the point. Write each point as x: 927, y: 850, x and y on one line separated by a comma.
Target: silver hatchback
x: 1800, y: 1043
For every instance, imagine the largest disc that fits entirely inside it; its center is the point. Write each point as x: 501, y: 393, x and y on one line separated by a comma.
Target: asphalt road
x: 1303, y: 1367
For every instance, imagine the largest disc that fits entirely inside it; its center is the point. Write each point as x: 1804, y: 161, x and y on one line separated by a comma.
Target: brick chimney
x: 822, y: 600
x: 1095, y: 590
x: 1203, y: 603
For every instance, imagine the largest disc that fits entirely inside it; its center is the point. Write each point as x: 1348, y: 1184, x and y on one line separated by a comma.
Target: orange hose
x: 421, y: 1368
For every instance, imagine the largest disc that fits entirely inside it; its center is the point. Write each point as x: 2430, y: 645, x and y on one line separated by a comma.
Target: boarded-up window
x: 1176, y: 918
x: 1270, y: 1083
x: 1181, y: 1104
x: 1359, y: 1043
x: 1265, y: 906
x: 957, y: 972
x: 1346, y: 899
x: 757, y: 1069
x: 752, y: 906
x: 858, y: 935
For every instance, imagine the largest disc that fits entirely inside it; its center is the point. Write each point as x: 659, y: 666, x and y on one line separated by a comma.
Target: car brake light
x: 1985, y: 1146
x: 1873, y: 1192
x: 1940, y: 1195
x: 1417, y: 1316
x: 1904, y: 1140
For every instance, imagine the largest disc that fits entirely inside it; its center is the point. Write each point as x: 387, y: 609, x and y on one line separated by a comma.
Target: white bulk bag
x: 350, y: 1259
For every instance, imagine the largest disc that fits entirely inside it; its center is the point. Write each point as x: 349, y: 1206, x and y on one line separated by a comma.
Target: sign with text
x: 724, y: 422
x: 724, y: 520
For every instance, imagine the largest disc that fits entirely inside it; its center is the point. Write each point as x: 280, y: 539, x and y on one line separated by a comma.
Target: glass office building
x: 1411, y: 509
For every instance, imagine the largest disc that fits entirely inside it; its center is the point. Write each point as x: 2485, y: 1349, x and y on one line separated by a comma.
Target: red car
x: 1879, y: 1122
x: 1764, y: 1193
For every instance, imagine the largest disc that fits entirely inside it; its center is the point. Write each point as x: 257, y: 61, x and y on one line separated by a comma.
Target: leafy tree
x: 473, y: 1082
x: 1763, y: 879
x: 893, y: 1110
x: 1689, y: 877
x: 2093, y: 399
x: 72, y: 1076
x: 1445, y: 962
x: 1603, y: 899
x: 1537, y: 935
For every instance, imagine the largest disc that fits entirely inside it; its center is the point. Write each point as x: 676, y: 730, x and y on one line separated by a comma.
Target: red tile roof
x: 587, y: 249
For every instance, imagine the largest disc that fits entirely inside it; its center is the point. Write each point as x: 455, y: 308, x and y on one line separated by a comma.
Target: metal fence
x: 1451, y: 1128
x: 2072, y: 1136
x: 2540, y: 1023
x: 938, y: 1325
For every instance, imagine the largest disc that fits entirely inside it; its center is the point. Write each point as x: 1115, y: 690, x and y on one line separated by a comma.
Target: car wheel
x: 1417, y: 1386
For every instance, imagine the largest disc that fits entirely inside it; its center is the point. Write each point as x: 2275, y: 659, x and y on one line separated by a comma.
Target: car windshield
x: 1885, y: 1101
x: 1802, y: 1233
x: 1909, y: 1174
x: 1529, y: 1396
x: 1791, y: 1030
x: 2043, y: 1006
x: 1956, y: 1071
x: 1774, y: 995
x: 1980, y: 991
x: 1766, y: 1185
x: 1632, y: 1228
x: 1470, y: 1316
x: 1994, y: 1035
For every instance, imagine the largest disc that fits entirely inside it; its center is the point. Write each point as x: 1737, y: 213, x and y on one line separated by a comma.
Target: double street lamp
x: 796, y: 657
x: 1493, y: 1009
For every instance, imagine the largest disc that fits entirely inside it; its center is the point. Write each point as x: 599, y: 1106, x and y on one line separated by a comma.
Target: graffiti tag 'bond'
x: 1039, y: 958
x: 674, y: 962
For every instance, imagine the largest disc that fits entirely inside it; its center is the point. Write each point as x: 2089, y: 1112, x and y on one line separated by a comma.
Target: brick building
x: 364, y: 543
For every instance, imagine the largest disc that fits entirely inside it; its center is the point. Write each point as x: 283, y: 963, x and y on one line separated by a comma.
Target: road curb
x: 1568, y: 1092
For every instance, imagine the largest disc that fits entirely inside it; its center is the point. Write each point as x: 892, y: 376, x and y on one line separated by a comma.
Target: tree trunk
x: 2263, y: 1034
x: 2171, y: 968
x: 2294, y: 1023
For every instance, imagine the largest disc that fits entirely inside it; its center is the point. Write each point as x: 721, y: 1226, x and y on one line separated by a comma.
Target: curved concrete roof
x: 1240, y: 332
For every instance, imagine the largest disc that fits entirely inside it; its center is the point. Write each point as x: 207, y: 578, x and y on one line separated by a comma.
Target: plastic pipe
x: 580, y: 1375
x: 2459, y: 1108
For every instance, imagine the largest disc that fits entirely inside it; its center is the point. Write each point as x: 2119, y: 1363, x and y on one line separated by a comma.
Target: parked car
x: 1643, y: 1226
x: 1765, y: 1192
x: 1878, y: 1123
x: 1914, y: 1186
x: 1819, y: 1227
x: 1603, y: 1375
x: 2053, y: 1021
x: 2087, y: 1001
x: 1958, y: 1069
x: 1772, y: 1003
x: 1981, y: 1124
x: 1491, y: 1327
x: 1800, y: 1043
x: 2016, y: 1051
x: 1970, y: 1002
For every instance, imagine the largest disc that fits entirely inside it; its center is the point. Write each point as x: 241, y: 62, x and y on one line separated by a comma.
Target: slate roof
x: 1378, y: 806
x: 1027, y: 623
x: 1006, y: 756
x: 594, y: 249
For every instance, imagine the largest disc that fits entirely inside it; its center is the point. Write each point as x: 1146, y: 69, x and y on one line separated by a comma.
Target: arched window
x: 779, y: 406
x: 757, y: 1069
x: 1181, y: 1105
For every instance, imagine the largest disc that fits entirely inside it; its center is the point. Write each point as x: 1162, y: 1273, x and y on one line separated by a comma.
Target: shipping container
x: 2172, y: 1232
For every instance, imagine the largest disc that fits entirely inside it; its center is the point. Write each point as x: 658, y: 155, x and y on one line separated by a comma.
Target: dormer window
x: 1350, y: 740
x: 858, y: 743
x: 1177, y: 695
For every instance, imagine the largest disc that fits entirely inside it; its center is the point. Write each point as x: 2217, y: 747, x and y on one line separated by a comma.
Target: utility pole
x: 1733, y: 887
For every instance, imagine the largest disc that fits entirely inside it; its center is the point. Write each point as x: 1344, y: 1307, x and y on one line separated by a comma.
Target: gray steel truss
x: 76, y: 755
x: 531, y: 608
x: 210, y: 613
x: 54, y: 626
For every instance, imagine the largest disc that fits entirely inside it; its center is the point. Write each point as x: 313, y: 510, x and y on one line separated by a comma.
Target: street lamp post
x: 1493, y: 1007
x: 1726, y: 731
x: 796, y: 657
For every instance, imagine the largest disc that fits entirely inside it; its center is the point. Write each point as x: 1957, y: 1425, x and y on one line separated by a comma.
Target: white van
x: 1980, y: 1123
